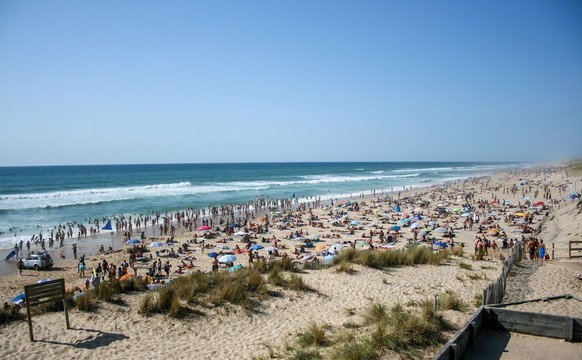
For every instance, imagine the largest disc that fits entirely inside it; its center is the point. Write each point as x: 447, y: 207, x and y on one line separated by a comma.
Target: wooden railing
x: 494, y: 317
x: 578, y: 250
x: 494, y: 292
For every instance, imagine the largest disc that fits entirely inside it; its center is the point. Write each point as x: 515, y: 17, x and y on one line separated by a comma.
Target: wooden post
x: 552, y: 251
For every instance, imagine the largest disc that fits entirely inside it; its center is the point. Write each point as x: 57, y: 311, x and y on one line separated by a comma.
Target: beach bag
x: 547, y: 257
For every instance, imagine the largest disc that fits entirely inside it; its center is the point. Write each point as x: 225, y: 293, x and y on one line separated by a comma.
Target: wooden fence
x: 494, y: 292
x: 494, y: 317
x: 578, y: 250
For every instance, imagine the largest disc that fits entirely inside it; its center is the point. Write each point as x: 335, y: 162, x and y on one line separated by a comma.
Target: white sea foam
x: 104, y: 195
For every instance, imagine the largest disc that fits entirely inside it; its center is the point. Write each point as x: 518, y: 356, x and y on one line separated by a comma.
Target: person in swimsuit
x: 542, y: 250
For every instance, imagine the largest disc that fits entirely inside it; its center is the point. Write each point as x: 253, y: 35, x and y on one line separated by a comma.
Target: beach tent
x: 395, y: 227
x: 396, y: 208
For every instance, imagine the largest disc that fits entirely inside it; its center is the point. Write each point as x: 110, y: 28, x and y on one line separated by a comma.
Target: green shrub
x: 148, y: 305
x: 85, y: 302
x: 466, y: 266
x: 166, y: 298
x: 12, y: 313
x: 356, y: 350
x: 108, y: 291
x: 296, y: 283
x: 314, y: 335
x: 345, y: 267
x: 451, y: 301
x: 478, y: 300
x: 276, y: 278
x: 306, y: 354
x: 376, y: 313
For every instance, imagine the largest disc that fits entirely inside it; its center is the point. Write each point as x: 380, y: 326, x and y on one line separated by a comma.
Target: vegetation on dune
x: 408, y: 333
x: 383, y: 259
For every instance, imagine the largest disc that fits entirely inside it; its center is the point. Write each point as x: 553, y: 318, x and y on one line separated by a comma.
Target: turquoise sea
x: 37, y: 199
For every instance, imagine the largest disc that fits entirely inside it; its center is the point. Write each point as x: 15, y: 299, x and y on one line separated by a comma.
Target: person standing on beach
x: 20, y: 265
x: 542, y: 250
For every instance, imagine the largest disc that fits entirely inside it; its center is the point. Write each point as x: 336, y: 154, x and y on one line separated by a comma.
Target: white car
x: 38, y: 261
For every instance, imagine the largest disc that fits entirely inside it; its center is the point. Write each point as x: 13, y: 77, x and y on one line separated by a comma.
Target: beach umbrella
x: 336, y: 248
x: 227, y: 258
x: 441, y: 230
x: 300, y: 238
x: 133, y: 241
x: 354, y: 222
x: 313, y: 237
x: 204, y: 227
x: 256, y: 247
x: 212, y: 254
x: 328, y: 259
x: 539, y: 203
x: 395, y: 227
x: 396, y: 208
x: 402, y: 222
x: 433, y: 222
x: 156, y: 244
x: 240, y: 233
x: 415, y: 225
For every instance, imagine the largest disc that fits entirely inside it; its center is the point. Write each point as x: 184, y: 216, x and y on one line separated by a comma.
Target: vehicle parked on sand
x: 38, y: 261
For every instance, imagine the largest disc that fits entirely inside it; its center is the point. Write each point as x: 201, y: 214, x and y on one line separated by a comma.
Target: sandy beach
x: 337, y: 299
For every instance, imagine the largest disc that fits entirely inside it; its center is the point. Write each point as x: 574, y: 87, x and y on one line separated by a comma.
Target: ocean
x: 38, y: 199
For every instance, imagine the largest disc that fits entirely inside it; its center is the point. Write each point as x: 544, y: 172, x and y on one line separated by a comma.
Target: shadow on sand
x: 96, y: 340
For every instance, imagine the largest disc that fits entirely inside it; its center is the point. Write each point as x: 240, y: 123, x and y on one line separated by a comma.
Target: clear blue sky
x: 107, y: 82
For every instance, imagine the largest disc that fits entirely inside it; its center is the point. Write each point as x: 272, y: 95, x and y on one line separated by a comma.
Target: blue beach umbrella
x: 227, y: 258
x: 156, y: 244
x: 395, y: 227
x: 213, y: 254
x: 133, y: 241
x: 256, y: 247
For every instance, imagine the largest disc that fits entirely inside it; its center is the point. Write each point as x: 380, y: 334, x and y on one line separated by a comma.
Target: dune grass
x: 314, y: 335
x: 383, y: 259
x: 451, y: 301
x: 244, y: 288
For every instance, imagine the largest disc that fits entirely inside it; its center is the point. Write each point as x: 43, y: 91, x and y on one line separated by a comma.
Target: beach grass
x: 451, y: 301
x: 466, y: 266
x: 376, y: 259
x: 10, y: 314
x: 314, y: 335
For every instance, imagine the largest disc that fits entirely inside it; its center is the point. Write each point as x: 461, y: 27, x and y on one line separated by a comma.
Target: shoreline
x: 281, y: 318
